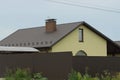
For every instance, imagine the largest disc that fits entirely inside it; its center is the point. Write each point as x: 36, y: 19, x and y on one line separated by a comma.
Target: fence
x: 95, y: 65
x: 54, y: 66
x: 57, y: 66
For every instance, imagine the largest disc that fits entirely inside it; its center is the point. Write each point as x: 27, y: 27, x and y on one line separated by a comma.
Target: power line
x: 93, y: 5
x: 84, y: 6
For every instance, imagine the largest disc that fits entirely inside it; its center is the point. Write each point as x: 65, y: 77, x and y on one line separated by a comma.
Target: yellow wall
x: 93, y: 44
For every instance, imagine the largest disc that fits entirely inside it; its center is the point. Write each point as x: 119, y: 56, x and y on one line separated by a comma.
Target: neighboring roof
x: 17, y: 49
x: 38, y: 37
x: 117, y: 42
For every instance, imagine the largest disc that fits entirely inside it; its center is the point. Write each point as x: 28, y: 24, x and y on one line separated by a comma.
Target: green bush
x: 74, y: 75
x: 77, y: 76
x: 117, y: 77
x: 23, y: 74
x: 19, y: 74
x: 38, y: 76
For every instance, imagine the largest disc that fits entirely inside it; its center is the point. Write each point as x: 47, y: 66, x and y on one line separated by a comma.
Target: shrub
x: 77, y: 76
x: 74, y: 75
x: 117, y: 77
x: 38, y: 76
x: 19, y: 74
x: 23, y: 74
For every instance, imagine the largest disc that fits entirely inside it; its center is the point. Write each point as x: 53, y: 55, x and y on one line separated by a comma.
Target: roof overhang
x: 17, y: 49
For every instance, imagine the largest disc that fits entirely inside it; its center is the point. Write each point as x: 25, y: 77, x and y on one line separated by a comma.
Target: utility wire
x: 93, y: 5
x: 84, y: 6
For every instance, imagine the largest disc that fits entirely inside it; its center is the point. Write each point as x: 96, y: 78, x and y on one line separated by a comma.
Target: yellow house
x: 79, y: 37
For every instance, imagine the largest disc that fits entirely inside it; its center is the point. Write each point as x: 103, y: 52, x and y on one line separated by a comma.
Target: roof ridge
x: 71, y: 22
x: 57, y: 25
x: 31, y: 28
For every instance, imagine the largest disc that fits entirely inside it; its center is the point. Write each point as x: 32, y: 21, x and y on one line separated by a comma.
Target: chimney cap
x: 50, y: 20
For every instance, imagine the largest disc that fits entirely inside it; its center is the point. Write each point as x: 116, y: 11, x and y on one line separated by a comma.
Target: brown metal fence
x: 55, y: 66
x: 96, y: 65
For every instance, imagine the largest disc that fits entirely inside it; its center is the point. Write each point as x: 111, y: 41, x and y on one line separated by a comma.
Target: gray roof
x: 17, y: 49
x: 38, y: 37
x: 117, y: 42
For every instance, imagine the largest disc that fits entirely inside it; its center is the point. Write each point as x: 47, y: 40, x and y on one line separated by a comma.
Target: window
x: 81, y: 35
x: 81, y: 53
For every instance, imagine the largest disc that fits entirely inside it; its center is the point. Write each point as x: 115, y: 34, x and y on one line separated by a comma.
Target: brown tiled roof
x: 38, y: 37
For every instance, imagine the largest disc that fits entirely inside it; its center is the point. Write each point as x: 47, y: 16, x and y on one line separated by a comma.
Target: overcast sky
x: 104, y: 15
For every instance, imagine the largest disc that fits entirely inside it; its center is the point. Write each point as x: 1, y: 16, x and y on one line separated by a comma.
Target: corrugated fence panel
x: 55, y: 66
x: 95, y: 65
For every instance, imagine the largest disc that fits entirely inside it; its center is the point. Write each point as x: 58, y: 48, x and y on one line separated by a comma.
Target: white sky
x: 18, y: 14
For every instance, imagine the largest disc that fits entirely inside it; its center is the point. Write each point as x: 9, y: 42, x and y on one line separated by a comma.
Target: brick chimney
x: 50, y: 25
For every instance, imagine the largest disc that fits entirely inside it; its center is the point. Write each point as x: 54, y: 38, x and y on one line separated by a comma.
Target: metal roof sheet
x: 117, y: 42
x: 17, y: 49
x: 38, y: 37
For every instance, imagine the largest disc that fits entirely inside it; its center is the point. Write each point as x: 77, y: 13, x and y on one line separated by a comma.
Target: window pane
x: 81, y: 53
x: 80, y: 34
